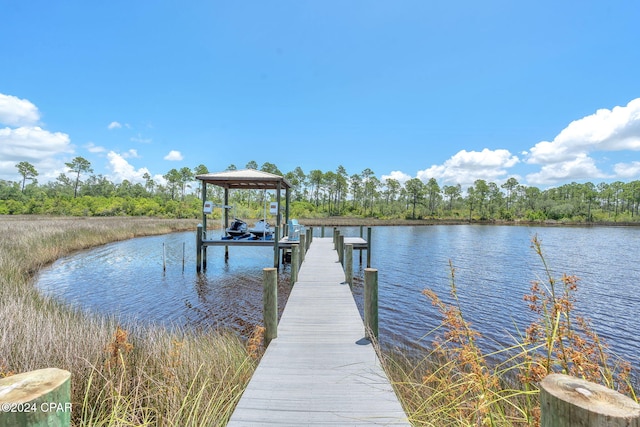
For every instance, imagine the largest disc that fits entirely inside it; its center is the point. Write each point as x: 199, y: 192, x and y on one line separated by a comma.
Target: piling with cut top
x: 371, y: 302
x: 302, y: 245
x: 42, y: 398
x: 270, y: 303
x: 348, y: 265
x: 340, y: 247
x: 568, y: 401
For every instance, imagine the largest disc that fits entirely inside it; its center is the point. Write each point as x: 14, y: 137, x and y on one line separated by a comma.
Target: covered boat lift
x: 246, y: 179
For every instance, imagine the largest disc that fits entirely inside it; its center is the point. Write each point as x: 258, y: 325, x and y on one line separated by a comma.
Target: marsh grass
x: 456, y: 385
x: 122, y: 374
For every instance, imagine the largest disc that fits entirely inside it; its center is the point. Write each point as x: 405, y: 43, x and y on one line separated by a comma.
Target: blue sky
x: 547, y: 92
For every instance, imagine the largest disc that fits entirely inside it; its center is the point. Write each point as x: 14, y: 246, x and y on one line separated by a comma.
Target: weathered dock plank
x: 319, y: 370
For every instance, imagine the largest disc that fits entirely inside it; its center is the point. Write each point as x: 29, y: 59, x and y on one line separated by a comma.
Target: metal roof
x: 247, y: 179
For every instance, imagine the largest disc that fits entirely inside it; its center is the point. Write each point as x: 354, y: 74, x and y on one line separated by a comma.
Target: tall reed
x: 456, y: 384
x: 122, y: 374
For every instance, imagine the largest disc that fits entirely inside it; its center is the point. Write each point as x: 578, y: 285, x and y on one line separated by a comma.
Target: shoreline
x: 341, y: 221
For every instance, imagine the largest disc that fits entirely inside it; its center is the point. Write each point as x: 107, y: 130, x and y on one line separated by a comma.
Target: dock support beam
x: 368, y: 247
x: 303, y: 246
x: 371, y: 303
x: 348, y: 265
x: 198, y: 248
x: 270, y: 303
x: 295, y: 263
x: 276, y: 247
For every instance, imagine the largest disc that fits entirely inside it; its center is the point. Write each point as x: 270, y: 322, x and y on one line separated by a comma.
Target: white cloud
x: 93, y: 148
x: 17, y: 112
x: 629, y: 171
x: 131, y: 154
x: 24, y: 140
x: 581, y: 167
x: 114, y: 125
x: 398, y: 176
x: 568, y: 156
x: 34, y: 145
x: 174, y: 155
x: 121, y: 169
x: 465, y: 167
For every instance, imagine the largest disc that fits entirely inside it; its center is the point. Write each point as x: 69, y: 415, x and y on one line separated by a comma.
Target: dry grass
x: 122, y: 375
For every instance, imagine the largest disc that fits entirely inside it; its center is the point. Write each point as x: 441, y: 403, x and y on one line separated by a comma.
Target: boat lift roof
x: 245, y: 179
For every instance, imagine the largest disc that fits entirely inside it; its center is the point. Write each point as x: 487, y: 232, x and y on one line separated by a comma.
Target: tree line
x: 319, y: 193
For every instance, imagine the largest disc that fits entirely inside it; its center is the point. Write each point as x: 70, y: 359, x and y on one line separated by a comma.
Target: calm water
x: 494, y: 268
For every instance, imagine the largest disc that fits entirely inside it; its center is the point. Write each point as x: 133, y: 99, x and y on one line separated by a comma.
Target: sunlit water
x: 494, y: 267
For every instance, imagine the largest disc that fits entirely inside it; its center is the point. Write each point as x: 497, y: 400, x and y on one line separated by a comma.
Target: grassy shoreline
x: 129, y: 375
x: 121, y: 374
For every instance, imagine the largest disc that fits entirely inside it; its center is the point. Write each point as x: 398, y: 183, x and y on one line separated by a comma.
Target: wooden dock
x: 319, y: 370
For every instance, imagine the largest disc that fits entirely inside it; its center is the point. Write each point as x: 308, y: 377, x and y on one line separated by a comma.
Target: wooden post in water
x: 322, y: 231
x: 276, y: 247
x: 198, y: 248
x: 270, y: 303
x: 303, y: 247
x: 41, y: 398
x: 567, y: 401
x: 368, y: 247
x: 164, y: 257
x: 295, y: 263
x: 361, y: 236
x: 348, y: 265
x: 371, y: 303
x: 204, y: 257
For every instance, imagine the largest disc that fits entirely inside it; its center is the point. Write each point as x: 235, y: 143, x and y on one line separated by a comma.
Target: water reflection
x: 494, y: 268
x: 154, y: 280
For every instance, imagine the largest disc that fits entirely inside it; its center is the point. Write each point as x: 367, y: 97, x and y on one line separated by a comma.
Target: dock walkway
x: 319, y: 370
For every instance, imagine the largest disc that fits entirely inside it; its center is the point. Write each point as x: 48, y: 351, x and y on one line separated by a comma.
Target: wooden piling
x: 276, y: 247
x: 41, y: 398
x: 295, y: 263
x: 199, y: 248
x: 568, y: 401
x: 348, y: 265
x: 371, y: 302
x: 204, y: 257
x: 303, y: 246
x: 361, y: 236
x: 270, y: 303
x: 368, y: 247
x: 340, y: 248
